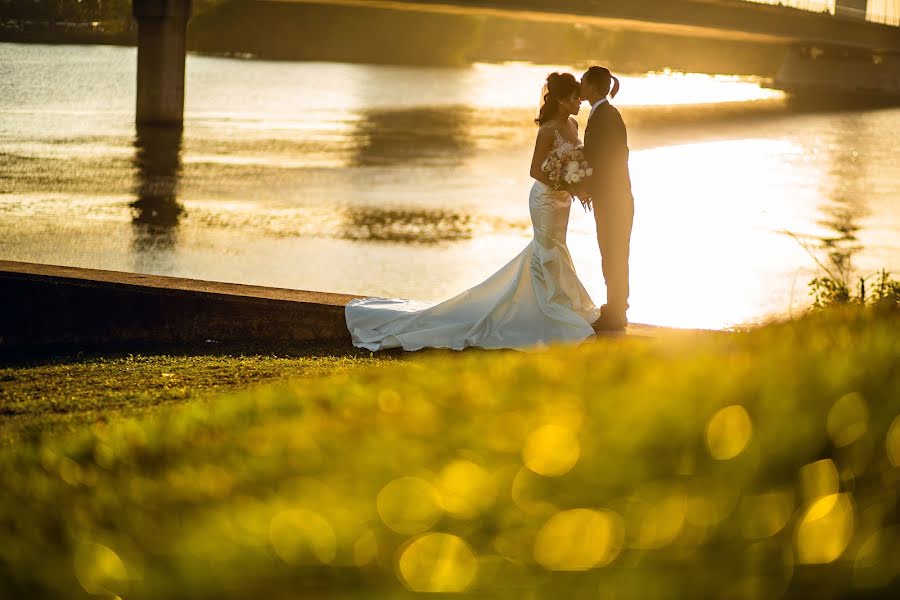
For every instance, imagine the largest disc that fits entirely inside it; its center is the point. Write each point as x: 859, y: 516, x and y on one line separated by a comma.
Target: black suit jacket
x: 606, y: 150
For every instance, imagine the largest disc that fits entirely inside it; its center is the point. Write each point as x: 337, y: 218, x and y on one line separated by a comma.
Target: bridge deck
x: 719, y: 19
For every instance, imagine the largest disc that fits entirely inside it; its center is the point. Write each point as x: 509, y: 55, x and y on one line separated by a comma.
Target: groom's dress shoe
x: 608, y: 323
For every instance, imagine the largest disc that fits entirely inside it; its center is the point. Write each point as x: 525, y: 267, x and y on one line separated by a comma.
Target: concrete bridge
x: 717, y: 19
x: 843, y: 52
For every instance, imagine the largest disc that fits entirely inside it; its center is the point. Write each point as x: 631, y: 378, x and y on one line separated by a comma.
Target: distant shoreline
x: 60, y: 38
x: 800, y: 97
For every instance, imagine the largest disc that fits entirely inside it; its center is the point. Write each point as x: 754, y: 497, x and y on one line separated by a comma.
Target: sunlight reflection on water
x: 413, y: 182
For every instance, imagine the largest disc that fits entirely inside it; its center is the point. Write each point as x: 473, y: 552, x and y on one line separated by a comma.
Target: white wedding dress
x: 535, y: 299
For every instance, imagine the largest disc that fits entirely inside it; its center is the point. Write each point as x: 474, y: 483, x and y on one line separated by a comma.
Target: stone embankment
x: 47, y: 305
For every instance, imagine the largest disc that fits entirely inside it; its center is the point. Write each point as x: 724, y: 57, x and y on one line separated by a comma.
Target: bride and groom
x: 537, y: 297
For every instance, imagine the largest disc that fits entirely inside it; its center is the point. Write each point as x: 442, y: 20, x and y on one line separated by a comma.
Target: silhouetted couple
x: 536, y: 298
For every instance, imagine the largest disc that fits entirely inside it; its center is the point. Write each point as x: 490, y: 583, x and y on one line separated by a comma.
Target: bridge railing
x: 886, y: 12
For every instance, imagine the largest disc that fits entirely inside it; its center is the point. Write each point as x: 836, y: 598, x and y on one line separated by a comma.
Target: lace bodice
x: 562, y: 146
x: 562, y: 142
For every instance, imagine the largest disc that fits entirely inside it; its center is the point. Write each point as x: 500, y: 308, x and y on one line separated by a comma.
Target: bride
x: 534, y: 299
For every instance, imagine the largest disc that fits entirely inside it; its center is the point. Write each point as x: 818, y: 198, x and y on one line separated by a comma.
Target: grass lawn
x: 756, y: 465
x: 66, y: 393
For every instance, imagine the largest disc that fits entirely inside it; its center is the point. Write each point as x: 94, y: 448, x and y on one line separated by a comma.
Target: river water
x: 413, y: 182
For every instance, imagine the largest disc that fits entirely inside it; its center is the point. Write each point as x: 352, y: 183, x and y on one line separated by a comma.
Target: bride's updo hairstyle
x: 601, y: 78
x: 560, y: 86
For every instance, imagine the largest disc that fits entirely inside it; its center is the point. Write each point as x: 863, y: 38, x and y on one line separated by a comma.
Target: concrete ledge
x: 47, y: 305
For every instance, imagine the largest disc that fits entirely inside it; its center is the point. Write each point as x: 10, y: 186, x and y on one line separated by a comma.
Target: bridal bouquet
x: 566, y: 167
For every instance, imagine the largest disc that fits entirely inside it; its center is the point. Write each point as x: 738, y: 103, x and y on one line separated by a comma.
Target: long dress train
x: 535, y: 299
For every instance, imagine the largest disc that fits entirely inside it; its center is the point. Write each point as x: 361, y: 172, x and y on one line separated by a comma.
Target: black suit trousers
x: 614, y: 216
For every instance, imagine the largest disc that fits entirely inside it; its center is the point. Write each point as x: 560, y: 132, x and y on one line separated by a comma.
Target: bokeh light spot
x: 847, y: 420
x: 551, y: 450
x: 514, y: 544
x: 466, y: 489
x: 825, y: 530
x: 438, y: 562
x: 711, y: 501
x: 893, y: 442
x: 99, y: 570
x: 878, y: 559
x: 662, y: 521
x: 365, y: 550
x: 408, y: 505
x: 764, y: 515
x: 302, y: 537
x: 819, y: 479
x: 728, y: 432
x: 579, y: 539
x: 528, y: 492
x: 69, y: 471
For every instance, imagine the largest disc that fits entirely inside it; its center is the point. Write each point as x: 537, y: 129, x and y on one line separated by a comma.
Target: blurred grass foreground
x: 756, y: 465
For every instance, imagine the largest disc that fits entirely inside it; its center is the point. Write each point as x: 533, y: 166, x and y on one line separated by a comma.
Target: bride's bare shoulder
x: 548, y: 128
x: 547, y: 131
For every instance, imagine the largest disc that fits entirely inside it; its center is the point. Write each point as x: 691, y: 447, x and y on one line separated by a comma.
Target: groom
x: 609, y: 188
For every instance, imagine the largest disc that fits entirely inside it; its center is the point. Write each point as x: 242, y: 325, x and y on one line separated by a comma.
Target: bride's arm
x: 542, y: 147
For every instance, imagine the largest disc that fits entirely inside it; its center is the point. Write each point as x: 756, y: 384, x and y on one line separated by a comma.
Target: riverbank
x: 57, y: 309
x: 58, y: 306
x: 754, y: 465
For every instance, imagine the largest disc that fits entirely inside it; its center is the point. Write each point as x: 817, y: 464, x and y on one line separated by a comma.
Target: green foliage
x: 884, y: 293
x: 756, y: 465
x: 66, y: 394
x: 841, y: 284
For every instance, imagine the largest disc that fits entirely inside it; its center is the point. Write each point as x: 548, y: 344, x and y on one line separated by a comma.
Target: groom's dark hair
x: 601, y: 78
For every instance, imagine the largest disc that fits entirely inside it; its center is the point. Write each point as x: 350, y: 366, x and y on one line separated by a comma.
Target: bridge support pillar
x: 840, y: 75
x: 162, y: 29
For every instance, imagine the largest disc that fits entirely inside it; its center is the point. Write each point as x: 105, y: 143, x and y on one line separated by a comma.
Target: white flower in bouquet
x: 565, y: 167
